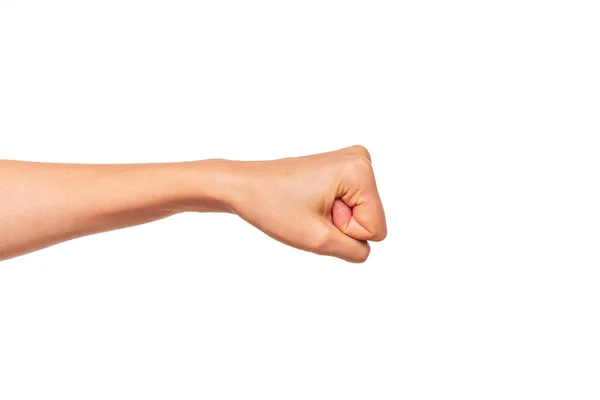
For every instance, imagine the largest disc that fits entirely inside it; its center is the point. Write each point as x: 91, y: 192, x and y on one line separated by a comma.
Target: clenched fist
x: 325, y: 203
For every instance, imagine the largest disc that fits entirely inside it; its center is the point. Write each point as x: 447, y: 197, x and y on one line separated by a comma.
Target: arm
x: 325, y: 203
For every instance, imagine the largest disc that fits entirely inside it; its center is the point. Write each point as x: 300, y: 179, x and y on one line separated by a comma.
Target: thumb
x: 343, y: 246
x: 358, y: 211
x: 345, y: 221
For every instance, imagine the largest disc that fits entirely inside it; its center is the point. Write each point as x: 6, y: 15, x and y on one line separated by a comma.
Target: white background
x: 483, y: 121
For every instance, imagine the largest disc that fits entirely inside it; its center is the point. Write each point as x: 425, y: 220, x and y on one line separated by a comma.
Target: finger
x: 344, y: 220
x: 342, y: 246
x: 359, y: 193
x: 356, y: 150
x: 368, y: 215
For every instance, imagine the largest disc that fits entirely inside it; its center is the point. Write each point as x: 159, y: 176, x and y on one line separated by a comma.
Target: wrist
x: 207, y: 185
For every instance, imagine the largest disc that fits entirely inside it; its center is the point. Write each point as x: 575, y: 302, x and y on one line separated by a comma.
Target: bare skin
x: 325, y: 203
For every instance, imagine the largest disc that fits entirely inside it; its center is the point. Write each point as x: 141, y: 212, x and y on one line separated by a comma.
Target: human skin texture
x: 324, y: 203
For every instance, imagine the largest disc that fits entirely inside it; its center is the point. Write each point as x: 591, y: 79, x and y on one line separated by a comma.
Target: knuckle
x: 359, y: 165
x: 379, y: 236
x: 380, y: 231
x: 362, y: 150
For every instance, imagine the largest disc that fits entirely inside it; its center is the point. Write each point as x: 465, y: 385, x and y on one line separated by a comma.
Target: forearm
x: 42, y: 204
x: 325, y: 203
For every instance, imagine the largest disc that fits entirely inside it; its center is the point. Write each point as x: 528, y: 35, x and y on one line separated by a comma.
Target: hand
x: 325, y: 203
